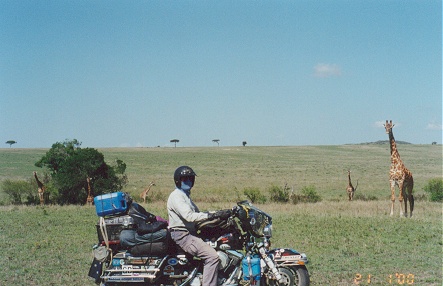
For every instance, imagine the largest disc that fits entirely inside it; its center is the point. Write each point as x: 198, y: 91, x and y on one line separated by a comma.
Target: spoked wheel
x: 287, y: 277
x: 297, y: 276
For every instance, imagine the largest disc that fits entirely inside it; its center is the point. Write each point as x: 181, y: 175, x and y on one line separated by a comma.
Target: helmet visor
x: 187, y: 178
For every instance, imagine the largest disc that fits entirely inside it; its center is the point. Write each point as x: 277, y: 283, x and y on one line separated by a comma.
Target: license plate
x: 127, y: 269
x: 125, y: 279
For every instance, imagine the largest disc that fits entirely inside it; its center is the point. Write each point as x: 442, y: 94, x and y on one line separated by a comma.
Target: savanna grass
x: 51, y: 245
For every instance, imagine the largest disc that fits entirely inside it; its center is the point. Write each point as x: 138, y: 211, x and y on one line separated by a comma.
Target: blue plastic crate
x: 111, y: 204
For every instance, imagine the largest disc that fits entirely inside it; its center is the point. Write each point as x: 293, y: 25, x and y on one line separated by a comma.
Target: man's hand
x: 223, y: 214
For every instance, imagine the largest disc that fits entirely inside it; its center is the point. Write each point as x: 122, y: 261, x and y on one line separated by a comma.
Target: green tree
x: 70, y: 165
x: 58, y: 154
x: 175, y: 141
x: 10, y: 142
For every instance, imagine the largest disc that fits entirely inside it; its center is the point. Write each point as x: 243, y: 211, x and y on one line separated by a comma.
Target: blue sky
x: 272, y: 73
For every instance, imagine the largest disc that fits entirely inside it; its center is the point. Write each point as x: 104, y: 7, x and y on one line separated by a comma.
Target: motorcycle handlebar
x: 235, y: 210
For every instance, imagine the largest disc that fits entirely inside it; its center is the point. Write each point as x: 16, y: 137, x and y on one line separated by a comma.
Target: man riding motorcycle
x: 183, y: 214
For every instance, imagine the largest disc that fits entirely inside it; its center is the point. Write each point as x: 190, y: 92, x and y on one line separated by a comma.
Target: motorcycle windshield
x: 253, y: 219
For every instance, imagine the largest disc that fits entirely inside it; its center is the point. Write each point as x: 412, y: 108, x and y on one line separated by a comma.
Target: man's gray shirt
x: 182, y: 211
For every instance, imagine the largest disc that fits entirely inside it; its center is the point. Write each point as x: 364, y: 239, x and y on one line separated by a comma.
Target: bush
x: 254, y: 195
x: 435, y: 189
x: 363, y: 197
x: 16, y: 190
x: 309, y: 195
x: 278, y: 194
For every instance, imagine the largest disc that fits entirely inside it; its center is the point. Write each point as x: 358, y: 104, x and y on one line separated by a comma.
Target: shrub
x: 254, y: 195
x: 309, y: 195
x: 435, y: 189
x: 363, y: 197
x: 16, y: 190
x: 278, y: 194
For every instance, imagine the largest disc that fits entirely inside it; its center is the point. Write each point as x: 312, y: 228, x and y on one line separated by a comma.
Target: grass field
x: 51, y: 245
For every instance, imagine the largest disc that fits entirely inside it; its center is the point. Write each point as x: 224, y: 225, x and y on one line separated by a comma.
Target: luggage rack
x: 130, y: 274
x: 126, y: 272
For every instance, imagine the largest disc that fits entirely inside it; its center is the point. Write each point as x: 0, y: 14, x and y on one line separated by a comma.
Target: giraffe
x: 350, y: 188
x: 146, y: 191
x: 399, y: 175
x: 89, y: 199
x: 41, y: 189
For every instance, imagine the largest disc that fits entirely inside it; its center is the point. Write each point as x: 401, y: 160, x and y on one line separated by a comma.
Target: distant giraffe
x: 350, y: 188
x: 290, y: 191
x: 286, y: 190
x: 41, y: 189
x: 399, y: 175
x: 146, y: 191
x: 90, y: 198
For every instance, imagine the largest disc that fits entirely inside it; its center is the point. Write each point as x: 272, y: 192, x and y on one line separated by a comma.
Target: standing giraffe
x: 399, y: 175
x: 41, y: 189
x: 89, y: 199
x: 146, y: 191
x: 350, y: 188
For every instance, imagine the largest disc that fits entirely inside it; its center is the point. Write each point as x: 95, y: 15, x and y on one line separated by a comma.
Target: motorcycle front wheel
x: 298, y: 276
x: 287, y: 278
x: 301, y: 276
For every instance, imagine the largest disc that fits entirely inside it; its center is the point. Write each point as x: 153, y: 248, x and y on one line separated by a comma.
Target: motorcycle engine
x: 229, y: 258
x: 224, y: 259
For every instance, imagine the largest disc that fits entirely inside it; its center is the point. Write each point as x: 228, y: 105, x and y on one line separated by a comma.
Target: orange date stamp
x: 389, y: 279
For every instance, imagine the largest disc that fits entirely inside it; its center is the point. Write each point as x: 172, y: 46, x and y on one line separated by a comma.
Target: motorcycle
x: 242, y: 242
